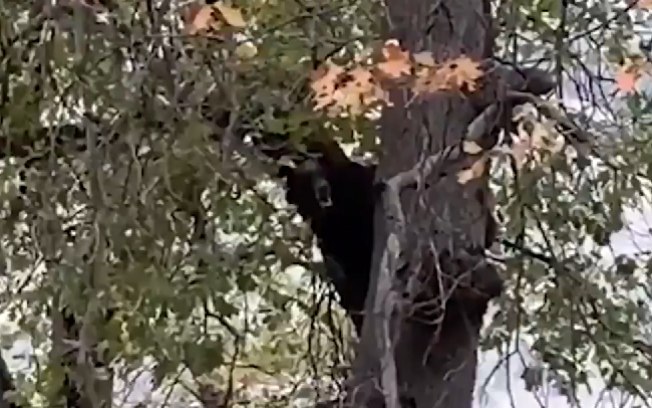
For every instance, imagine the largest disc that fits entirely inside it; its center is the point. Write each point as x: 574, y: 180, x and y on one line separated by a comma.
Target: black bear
x: 336, y: 196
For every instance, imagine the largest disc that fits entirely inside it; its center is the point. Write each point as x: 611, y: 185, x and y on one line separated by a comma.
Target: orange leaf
x: 429, y: 80
x: 630, y: 72
x: 454, y: 74
x: 204, y: 19
x: 199, y: 18
x: 358, y: 91
x: 644, y: 4
x: 626, y: 79
x: 339, y: 91
x: 323, y: 85
x: 231, y: 16
x: 476, y: 170
x: 397, y: 62
x: 462, y: 71
x: 361, y: 80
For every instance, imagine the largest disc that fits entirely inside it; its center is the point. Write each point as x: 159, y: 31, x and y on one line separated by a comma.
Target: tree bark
x: 408, y: 356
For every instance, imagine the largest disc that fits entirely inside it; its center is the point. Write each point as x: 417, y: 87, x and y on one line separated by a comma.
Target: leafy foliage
x: 165, y: 220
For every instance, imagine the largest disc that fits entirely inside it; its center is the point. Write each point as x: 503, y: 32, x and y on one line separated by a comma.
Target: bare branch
x: 386, y: 298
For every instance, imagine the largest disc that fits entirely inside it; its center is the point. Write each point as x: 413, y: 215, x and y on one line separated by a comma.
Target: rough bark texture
x: 434, y: 352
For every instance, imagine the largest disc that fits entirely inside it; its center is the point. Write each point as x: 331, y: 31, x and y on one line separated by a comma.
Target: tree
x: 130, y: 201
x: 441, y: 265
x: 429, y: 361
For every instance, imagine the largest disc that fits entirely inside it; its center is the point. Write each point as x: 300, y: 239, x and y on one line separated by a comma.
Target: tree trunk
x: 433, y: 362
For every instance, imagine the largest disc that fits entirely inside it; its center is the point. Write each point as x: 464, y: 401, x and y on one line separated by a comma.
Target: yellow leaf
x: 231, y: 16
x: 246, y: 50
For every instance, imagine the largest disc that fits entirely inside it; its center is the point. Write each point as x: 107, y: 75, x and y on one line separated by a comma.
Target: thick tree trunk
x: 434, y: 352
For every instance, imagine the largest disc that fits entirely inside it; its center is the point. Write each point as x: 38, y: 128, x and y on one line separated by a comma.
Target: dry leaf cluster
x: 339, y: 90
x: 629, y: 73
x: 210, y: 20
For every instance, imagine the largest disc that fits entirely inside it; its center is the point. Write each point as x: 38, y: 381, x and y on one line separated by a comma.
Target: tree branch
x: 385, y: 299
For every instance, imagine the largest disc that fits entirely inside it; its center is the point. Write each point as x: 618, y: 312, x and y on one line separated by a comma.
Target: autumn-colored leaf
x: 203, y: 19
x: 338, y: 91
x: 397, y: 61
x: 630, y: 72
x: 231, y: 16
x: 626, y: 79
x: 462, y: 71
x: 198, y: 18
x: 359, y: 83
x: 644, y: 4
x: 454, y: 74
x: 359, y: 91
x: 429, y: 80
x: 323, y: 85
x: 476, y: 170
